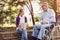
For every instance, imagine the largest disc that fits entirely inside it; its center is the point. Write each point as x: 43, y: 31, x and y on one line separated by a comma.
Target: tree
x: 8, y: 15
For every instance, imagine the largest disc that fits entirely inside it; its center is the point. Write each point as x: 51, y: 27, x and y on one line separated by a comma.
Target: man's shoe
x: 39, y: 39
x: 34, y: 38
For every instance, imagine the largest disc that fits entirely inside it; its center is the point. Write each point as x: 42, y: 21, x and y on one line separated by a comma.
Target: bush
x: 37, y: 19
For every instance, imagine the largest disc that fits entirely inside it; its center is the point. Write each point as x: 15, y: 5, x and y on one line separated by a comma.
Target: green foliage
x: 37, y: 19
x: 9, y: 10
x: 7, y: 15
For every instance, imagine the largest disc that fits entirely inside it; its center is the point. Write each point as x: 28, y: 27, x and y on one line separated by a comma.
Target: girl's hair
x: 20, y: 11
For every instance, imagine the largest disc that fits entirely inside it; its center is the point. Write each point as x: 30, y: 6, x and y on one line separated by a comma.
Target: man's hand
x: 44, y: 22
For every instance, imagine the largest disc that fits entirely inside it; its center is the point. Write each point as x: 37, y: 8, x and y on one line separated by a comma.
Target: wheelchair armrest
x: 54, y: 23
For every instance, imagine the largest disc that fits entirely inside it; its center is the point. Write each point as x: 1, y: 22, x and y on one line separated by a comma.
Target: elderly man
x: 46, y: 18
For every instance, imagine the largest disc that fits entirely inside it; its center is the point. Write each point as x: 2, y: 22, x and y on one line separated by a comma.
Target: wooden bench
x: 11, y: 34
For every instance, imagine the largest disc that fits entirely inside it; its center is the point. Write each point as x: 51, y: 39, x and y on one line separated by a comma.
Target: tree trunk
x: 31, y: 11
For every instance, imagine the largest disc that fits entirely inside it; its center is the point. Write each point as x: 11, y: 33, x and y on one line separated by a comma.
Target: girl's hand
x: 20, y: 25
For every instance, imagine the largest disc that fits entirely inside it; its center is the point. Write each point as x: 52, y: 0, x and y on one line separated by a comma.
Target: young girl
x: 21, y: 24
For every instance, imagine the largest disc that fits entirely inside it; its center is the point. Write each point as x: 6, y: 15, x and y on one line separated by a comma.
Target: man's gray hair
x: 45, y: 4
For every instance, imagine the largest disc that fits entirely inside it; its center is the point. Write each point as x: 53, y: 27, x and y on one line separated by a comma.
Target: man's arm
x: 52, y: 16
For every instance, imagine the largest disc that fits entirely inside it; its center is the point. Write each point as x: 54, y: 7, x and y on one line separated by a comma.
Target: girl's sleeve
x: 26, y: 21
x: 16, y: 21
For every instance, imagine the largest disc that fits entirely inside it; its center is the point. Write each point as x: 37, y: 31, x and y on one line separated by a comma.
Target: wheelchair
x: 49, y: 31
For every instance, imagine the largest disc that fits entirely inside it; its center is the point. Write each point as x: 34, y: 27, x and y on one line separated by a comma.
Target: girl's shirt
x: 22, y: 22
x: 22, y: 19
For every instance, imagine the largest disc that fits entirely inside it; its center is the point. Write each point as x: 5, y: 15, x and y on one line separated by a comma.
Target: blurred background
x: 9, y: 10
x: 32, y: 8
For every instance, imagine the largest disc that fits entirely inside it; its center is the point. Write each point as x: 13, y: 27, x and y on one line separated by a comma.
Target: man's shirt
x: 48, y: 16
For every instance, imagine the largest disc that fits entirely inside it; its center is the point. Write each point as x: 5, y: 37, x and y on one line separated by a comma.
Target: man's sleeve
x: 52, y: 16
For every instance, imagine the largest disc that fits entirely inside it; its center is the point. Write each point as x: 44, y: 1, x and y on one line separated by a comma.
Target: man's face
x: 44, y: 7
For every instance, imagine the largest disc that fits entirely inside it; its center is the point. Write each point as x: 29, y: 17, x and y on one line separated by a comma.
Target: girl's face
x: 22, y: 13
